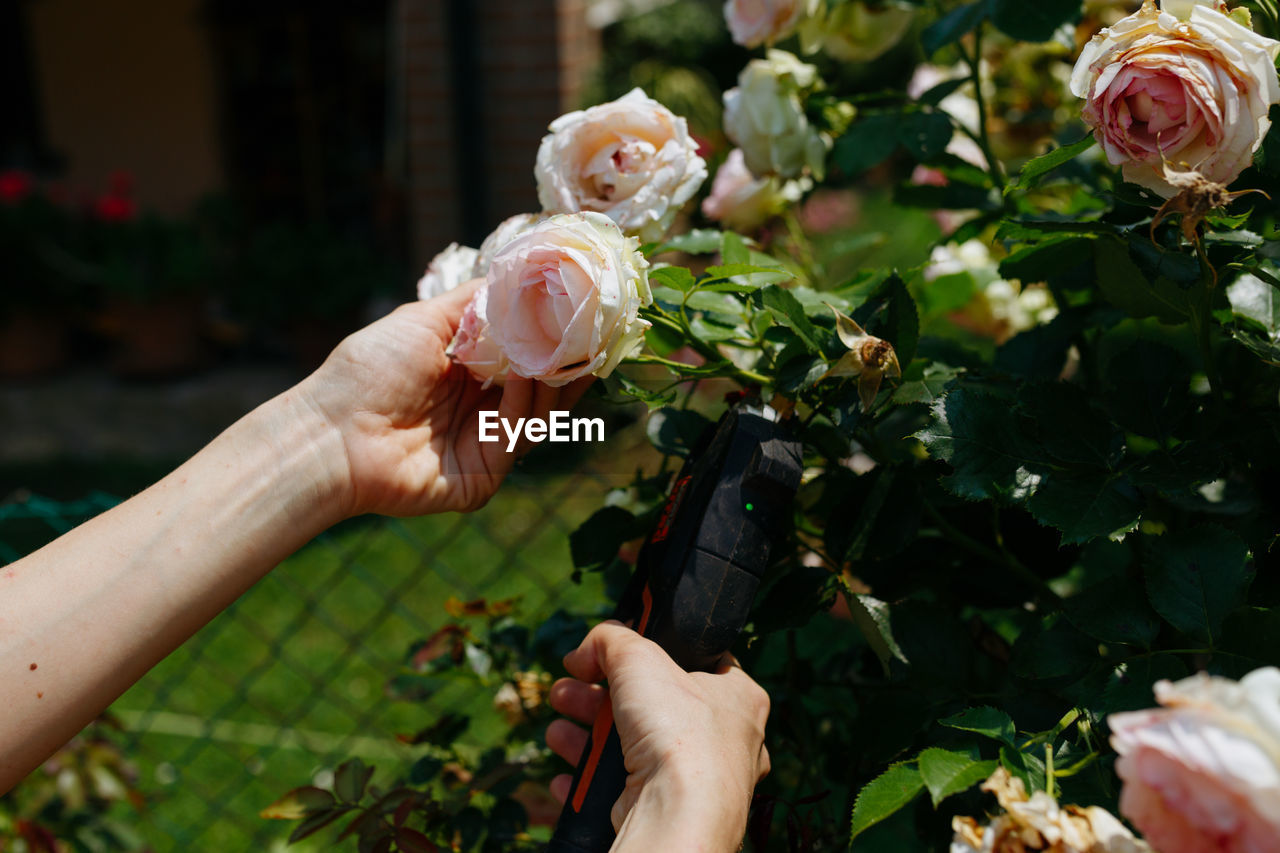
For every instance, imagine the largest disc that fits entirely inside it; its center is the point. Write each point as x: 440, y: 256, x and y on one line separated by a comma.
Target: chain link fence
x: 289, y: 680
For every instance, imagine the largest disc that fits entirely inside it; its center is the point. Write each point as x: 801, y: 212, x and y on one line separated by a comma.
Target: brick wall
x: 531, y: 60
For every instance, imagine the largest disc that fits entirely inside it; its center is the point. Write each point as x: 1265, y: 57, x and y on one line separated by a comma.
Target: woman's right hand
x: 693, y: 742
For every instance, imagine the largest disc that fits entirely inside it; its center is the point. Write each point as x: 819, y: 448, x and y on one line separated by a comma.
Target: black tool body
x: 693, y: 586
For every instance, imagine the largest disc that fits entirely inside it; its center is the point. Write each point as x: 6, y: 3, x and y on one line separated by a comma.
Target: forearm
x: 86, y: 616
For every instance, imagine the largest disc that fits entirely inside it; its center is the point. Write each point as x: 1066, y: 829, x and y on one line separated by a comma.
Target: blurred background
x: 198, y: 199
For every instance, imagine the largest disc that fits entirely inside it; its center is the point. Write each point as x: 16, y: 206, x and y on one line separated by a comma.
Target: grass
x: 289, y: 680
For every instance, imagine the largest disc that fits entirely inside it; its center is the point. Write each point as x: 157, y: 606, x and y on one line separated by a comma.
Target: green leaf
x: 867, y: 143
x: 953, y: 26
x: 925, y: 135
x: 977, y: 433
x: 1254, y: 633
x: 888, y: 311
x: 1058, y: 654
x: 412, y: 841
x: 1029, y: 768
x: 1035, y: 21
x: 733, y: 249
x: 1129, y: 686
x: 1159, y: 263
x: 298, y: 803
x: 1086, y: 504
x: 1115, y: 611
x: 788, y: 311
x: 884, y: 795
x: 871, y: 615
x: 742, y: 277
x: 1067, y: 427
x: 1125, y: 285
x: 1196, y: 576
x: 938, y: 93
x: 986, y: 721
x: 1043, y: 260
x: 1046, y: 163
x: 677, y: 278
x: 350, y: 780
x: 1256, y: 306
x: 1149, y: 389
x: 595, y: 543
x: 675, y: 431
x: 924, y: 383
x: 316, y: 822
x: 945, y: 772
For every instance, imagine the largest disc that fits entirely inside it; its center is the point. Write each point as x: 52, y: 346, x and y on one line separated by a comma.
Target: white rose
x: 631, y: 159
x: 1194, y: 92
x: 742, y: 201
x: 764, y: 116
x: 756, y: 22
x: 1203, y: 772
x: 509, y: 229
x: 855, y: 32
x: 447, y: 270
x: 563, y: 299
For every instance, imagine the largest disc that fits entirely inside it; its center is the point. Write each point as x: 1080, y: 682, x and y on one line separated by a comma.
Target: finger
x: 566, y: 740
x: 577, y: 699
x: 590, y: 661
x: 572, y: 393
x: 560, y: 786
x: 517, y: 396
x: 540, y: 406
x: 449, y: 305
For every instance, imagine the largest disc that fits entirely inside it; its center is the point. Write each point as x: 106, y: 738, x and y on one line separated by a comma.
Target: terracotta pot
x: 33, y: 342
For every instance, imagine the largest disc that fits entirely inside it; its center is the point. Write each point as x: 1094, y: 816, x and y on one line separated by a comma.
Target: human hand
x: 693, y: 742
x: 408, y: 416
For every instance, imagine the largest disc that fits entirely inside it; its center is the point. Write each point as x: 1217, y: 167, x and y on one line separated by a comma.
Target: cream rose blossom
x: 756, y: 22
x: 561, y: 301
x: 742, y: 201
x: 1186, y: 84
x: 447, y: 270
x: 631, y: 159
x: 1203, y: 772
x: 474, y: 347
x: 764, y: 116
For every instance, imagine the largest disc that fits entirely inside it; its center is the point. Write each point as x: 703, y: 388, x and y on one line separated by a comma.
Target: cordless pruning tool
x: 693, y: 585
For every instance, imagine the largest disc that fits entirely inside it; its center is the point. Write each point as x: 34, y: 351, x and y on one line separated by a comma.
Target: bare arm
x: 388, y: 424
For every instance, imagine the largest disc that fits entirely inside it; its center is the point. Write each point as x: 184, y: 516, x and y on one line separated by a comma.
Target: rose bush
x: 1039, y: 446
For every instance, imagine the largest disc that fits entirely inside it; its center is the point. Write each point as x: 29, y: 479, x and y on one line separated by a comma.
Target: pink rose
x: 1195, y: 92
x: 631, y: 159
x: 562, y: 301
x: 474, y: 347
x: 742, y: 201
x: 1203, y: 772
x: 756, y: 22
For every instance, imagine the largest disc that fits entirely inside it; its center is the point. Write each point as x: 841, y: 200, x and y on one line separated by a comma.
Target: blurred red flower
x: 15, y: 186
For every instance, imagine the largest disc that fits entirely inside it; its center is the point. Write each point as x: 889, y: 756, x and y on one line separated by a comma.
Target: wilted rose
x: 1203, y: 772
x: 756, y: 22
x: 447, y: 270
x: 562, y: 301
x: 742, y: 201
x: 631, y: 159
x: 764, y: 116
x: 1038, y: 822
x: 1186, y: 84
x: 854, y: 31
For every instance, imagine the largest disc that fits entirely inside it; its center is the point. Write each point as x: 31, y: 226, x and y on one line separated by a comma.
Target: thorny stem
x: 707, y: 351
x: 1000, y: 558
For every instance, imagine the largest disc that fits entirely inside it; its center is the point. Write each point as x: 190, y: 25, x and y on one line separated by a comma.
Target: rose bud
x: 765, y: 117
x: 869, y: 358
x: 742, y: 201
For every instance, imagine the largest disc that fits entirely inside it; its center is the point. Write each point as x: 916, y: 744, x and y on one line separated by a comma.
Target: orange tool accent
x: 599, y: 734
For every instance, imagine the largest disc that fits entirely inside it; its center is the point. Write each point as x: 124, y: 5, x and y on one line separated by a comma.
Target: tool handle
x: 586, y: 825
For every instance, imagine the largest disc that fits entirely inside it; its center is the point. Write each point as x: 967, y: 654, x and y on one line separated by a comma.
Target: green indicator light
x: 750, y: 507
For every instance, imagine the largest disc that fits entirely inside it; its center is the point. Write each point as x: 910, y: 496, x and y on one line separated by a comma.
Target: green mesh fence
x: 289, y: 680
